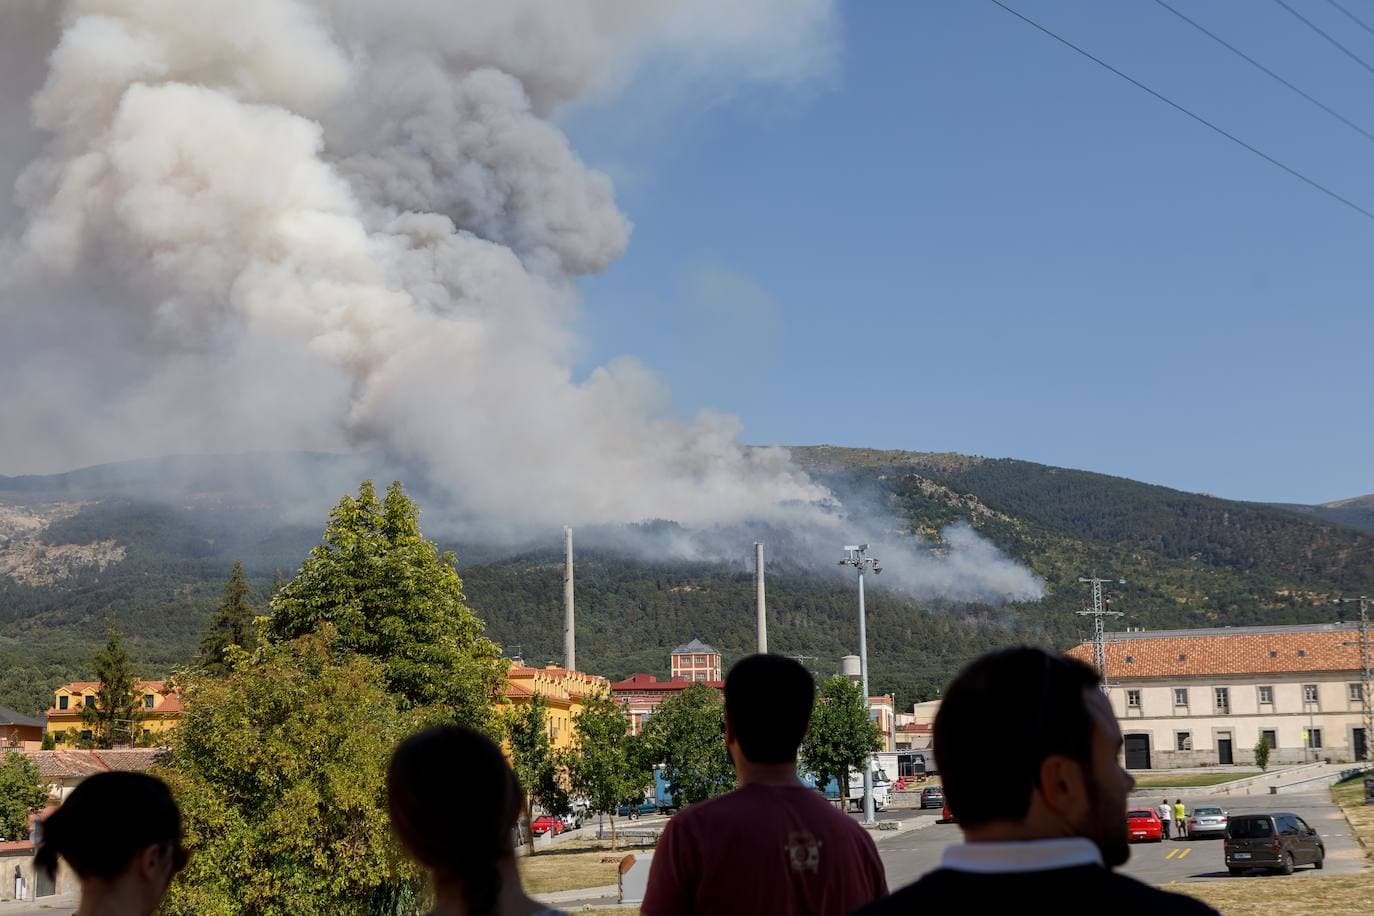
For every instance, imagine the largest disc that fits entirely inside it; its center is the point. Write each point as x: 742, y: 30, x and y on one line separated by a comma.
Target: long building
x: 1188, y: 698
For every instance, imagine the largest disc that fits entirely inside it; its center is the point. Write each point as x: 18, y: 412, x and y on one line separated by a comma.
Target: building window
x: 1183, y: 741
x: 1266, y: 696
x: 86, y: 734
x: 62, y: 702
x: 1183, y: 658
x: 1129, y: 659
x: 1223, y: 696
x: 1309, y: 693
x: 1314, y: 737
x: 1270, y: 737
x: 1302, y: 653
x: 148, y: 700
x: 1133, y: 699
x: 1273, y: 654
x: 1357, y: 692
x: 1180, y: 696
x: 90, y: 702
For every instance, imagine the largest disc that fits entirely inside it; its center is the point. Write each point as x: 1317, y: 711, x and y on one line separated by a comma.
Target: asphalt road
x: 909, y: 855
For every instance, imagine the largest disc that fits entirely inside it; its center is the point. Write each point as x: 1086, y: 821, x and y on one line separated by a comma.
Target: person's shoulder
x: 1154, y: 900
x: 924, y: 892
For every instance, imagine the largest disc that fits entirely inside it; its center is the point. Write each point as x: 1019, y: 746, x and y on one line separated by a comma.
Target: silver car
x: 1207, y: 821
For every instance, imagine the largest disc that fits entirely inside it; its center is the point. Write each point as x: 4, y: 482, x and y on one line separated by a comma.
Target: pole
x: 1366, y: 674
x: 869, y: 817
x: 1099, y: 614
x: 569, y: 629
x: 758, y: 593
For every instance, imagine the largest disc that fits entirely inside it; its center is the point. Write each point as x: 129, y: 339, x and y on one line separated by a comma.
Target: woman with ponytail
x: 121, y: 834
x: 454, y: 802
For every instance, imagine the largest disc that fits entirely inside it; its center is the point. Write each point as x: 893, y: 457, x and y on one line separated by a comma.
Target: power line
x: 1314, y: 27
x: 1263, y: 69
x: 1357, y: 20
x: 1198, y: 118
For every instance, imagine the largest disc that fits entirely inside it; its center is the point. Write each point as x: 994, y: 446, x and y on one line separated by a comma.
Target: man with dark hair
x: 772, y: 845
x: 1027, y: 747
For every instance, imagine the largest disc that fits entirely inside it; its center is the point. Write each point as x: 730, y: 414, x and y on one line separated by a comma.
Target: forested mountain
x: 148, y: 545
x: 1357, y: 512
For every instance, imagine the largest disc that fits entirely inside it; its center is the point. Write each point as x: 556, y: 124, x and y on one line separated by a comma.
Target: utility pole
x: 1366, y: 674
x: 854, y: 556
x: 1099, y: 614
x: 758, y: 594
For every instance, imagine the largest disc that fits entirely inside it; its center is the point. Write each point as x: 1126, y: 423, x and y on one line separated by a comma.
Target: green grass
x: 1190, y: 780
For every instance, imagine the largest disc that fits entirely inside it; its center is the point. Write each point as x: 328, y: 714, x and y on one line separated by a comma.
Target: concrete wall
x: 22, y: 858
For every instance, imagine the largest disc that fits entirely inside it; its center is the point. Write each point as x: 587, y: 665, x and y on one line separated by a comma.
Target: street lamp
x: 855, y: 556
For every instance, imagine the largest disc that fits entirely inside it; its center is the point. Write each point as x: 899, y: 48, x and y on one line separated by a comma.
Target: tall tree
x: 118, y: 707
x: 602, y: 764
x: 842, y: 736
x: 394, y: 597
x: 280, y: 772
x: 532, y: 757
x: 686, y: 734
x: 232, y: 625
x: 23, y: 793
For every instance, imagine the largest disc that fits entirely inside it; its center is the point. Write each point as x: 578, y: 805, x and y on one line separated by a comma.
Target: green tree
x: 232, y: 625
x: 393, y: 597
x: 118, y: 708
x: 23, y: 793
x: 686, y: 734
x: 532, y: 757
x: 602, y: 764
x: 842, y: 737
x: 49, y: 743
x: 280, y: 771
x: 1262, y: 753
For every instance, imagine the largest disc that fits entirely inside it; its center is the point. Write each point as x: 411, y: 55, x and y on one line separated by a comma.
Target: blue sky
x: 966, y: 237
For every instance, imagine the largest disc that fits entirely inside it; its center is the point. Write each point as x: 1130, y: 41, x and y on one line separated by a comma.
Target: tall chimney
x: 758, y: 589
x: 569, y: 631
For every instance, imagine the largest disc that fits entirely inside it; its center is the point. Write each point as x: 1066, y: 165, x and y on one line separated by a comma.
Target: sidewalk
x: 56, y: 905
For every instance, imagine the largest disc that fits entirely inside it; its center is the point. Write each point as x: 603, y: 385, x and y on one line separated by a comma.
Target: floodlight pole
x: 855, y: 557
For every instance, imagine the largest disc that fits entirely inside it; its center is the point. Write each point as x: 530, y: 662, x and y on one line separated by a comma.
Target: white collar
x: 1025, y: 856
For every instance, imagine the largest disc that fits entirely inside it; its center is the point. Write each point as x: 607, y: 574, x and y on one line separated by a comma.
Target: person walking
x: 1166, y: 816
x: 772, y: 845
x: 1027, y: 745
x: 1180, y: 819
x: 121, y: 834
x: 466, y: 840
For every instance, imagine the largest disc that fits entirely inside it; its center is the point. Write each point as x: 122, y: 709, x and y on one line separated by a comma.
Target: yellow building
x: 564, y: 691
x: 160, y: 707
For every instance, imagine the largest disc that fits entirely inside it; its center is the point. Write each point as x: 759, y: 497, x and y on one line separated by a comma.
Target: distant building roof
x: 80, y: 764
x: 10, y: 717
x: 1226, y: 651
x: 647, y: 682
x: 695, y: 645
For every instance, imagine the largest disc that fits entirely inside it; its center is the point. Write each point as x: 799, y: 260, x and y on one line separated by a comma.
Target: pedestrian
x: 465, y: 839
x: 121, y: 834
x: 1027, y: 746
x: 773, y: 845
x: 1180, y: 819
x: 1166, y: 816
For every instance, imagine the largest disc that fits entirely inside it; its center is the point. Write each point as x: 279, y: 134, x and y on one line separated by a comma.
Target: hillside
x: 148, y: 545
x: 1357, y: 512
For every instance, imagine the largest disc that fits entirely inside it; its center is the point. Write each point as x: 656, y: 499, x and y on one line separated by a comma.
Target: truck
x: 882, y: 786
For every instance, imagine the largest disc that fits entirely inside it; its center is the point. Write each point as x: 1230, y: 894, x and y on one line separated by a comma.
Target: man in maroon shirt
x: 772, y: 845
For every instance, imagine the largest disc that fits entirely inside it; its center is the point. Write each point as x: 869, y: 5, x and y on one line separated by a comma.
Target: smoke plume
x: 347, y: 224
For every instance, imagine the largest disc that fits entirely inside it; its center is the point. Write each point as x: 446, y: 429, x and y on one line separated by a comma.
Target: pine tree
x: 117, y: 711
x: 232, y: 625
x: 392, y: 596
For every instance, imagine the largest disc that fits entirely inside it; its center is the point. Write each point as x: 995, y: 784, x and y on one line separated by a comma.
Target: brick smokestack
x: 569, y: 628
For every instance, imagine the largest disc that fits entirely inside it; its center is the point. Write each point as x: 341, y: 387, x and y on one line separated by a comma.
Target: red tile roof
x: 1227, y: 651
x: 647, y: 682
x: 79, y: 764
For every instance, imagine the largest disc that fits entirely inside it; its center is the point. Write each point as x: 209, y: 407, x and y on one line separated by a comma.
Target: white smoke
x: 301, y: 223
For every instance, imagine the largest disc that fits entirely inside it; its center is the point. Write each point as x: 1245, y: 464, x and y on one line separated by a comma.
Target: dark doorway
x: 43, y: 885
x: 1361, y: 743
x: 1137, y: 752
x: 1224, y: 751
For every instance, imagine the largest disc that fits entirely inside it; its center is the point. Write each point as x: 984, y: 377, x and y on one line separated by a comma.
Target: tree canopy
x: 686, y: 734
x: 231, y: 625
x: 392, y: 596
x: 532, y: 757
x: 23, y: 793
x: 842, y: 737
x: 603, y: 764
x: 118, y: 708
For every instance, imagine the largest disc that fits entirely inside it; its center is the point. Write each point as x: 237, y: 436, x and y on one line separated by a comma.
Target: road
x: 909, y: 855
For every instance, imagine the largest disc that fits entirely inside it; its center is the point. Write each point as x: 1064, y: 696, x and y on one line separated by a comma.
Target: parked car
x: 639, y: 809
x: 1279, y: 842
x: 546, y: 824
x: 1144, y: 826
x: 932, y: 797
x: 1207, y: 821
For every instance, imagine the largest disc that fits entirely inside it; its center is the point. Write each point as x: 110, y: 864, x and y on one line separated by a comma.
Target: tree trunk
x: 613, y: 837
x: 527, y: 828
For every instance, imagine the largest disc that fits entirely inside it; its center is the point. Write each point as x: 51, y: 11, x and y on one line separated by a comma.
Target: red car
x: 1143, y: 824
x: 546, y: 824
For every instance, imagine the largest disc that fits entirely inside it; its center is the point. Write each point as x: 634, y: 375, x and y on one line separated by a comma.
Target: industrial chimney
x: 569, y: 630
x: 758, y: 589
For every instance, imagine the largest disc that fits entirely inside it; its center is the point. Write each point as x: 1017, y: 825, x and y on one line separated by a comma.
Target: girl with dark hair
x: 454, y: 803
x: 121, y: 834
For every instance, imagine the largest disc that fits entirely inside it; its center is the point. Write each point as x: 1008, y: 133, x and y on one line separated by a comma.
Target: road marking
x: 1172, y: 853
x: 1185, y: 852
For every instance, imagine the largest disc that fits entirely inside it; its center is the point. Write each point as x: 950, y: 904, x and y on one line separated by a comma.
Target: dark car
x: 1278, y: 842
x: 933, y: 797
